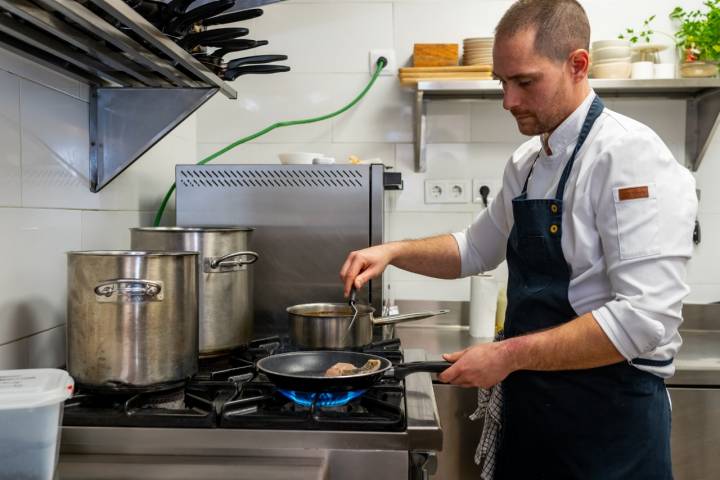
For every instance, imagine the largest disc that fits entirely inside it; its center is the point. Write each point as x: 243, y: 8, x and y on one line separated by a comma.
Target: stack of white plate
x: 611, y: 59
x: 478, y: 51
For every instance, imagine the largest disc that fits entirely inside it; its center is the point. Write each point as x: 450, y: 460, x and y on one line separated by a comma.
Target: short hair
x: 561, y: 26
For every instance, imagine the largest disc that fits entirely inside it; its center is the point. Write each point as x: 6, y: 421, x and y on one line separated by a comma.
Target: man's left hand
x: 481, y: 365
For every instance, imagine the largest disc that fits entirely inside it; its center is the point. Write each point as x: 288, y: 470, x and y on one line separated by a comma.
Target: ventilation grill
x: 246, y: 178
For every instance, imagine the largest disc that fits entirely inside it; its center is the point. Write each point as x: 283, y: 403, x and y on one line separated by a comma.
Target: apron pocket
x: 533, y: 253
x: 636, y: 210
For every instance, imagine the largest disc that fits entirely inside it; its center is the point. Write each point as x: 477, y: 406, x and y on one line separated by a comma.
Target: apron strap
x: 527, y: 179
x: 651, y: 363
x: 596, y: 109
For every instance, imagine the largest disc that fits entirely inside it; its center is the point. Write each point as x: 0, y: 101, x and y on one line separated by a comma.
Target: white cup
x: 664, y: 70
x: 642, y: 70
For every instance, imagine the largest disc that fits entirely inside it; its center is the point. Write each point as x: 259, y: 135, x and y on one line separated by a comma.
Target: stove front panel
x: 306, y: 464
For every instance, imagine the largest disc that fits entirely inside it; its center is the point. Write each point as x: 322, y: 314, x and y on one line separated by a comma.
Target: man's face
x: 535, y: 87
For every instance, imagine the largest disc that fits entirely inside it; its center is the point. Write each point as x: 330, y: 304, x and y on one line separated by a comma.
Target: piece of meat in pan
x: 342, y: 369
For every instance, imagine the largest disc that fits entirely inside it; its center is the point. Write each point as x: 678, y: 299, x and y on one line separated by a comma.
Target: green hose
x: 381, y: 63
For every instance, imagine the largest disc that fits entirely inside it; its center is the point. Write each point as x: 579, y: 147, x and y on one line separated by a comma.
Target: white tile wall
x: 46, y: 208
x: 10, y: 186
x: 33, y: 277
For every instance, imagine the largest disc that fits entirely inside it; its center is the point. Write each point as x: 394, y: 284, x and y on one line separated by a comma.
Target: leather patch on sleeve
x: 632, y: 193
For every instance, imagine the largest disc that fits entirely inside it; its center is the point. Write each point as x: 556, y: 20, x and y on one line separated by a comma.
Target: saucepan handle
x: 224, y: 264
x: 402, y: 370
x: 407, y: 317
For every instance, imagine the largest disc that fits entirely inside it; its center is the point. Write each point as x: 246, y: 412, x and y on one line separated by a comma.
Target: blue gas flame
x: 322, y: 399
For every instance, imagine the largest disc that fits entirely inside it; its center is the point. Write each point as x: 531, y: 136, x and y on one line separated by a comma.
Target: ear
x: 579, y: 64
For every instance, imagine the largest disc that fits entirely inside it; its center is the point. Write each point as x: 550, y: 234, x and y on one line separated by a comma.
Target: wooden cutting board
x: 460, y: 69
x: 435, y: 54
x: 412, y: 81
x: 410, y: 76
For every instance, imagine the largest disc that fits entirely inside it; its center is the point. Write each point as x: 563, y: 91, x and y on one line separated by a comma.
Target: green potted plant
x: 698, y: 38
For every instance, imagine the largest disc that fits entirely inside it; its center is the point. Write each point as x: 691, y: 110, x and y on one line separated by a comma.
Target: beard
x: 545, y: 119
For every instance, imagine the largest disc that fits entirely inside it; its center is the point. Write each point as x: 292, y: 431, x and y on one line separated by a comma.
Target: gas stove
x: 228, y: 392
x: 229, y: 421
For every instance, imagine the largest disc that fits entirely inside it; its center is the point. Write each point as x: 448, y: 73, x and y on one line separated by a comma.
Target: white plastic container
x: 31, y: 406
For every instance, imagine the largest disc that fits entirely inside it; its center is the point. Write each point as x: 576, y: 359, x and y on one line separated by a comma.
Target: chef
x: 595, y: 220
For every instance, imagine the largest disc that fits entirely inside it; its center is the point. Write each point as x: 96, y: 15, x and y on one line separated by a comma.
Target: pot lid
x: 193, y: 229
x: 131, y: 253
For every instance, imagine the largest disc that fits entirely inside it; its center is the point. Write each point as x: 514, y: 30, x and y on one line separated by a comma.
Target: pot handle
x: 223, y: 263
x: 407, y: 317
x: 402, y: 370
x: 130, y: 288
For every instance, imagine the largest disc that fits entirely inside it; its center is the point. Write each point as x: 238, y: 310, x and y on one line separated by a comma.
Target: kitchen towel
x: 490, y: 401
x: 483, y: 304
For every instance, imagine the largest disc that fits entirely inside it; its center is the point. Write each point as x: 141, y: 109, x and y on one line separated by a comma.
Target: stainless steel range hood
x: 142, y: 83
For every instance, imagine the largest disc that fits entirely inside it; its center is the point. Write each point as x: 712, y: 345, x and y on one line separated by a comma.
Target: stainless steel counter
x: 697, y: 362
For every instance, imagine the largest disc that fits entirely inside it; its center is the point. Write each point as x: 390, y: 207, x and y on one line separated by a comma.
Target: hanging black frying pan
x: 305, y: 371
x: 255, y: 59
x: 232, y: 73
x: 233, y: 17
x: 208, y: 37
x: 181, y: 24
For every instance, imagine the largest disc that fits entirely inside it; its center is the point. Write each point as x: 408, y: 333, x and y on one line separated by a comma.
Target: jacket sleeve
x: 645, y: 206
x: 482, y: 245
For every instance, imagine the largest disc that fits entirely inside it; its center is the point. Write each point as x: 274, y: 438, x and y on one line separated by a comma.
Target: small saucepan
x: 330, y: 326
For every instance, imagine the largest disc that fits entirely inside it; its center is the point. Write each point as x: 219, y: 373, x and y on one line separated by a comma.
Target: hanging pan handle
x: 224, y: 264
x: 129, y: 289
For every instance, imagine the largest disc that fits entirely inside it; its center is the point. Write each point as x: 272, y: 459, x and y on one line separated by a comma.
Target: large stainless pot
x: 331, y: 325
x: 132, y: 319
x: 224, y: 280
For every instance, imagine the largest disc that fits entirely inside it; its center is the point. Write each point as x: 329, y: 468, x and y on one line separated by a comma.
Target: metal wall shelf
x: 702, y: 96
x: 143, y: 84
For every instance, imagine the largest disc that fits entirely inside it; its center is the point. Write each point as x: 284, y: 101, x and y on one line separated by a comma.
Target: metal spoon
x: 352, y: 301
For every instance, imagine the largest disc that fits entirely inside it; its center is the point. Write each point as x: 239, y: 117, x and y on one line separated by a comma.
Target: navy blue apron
x: 607, y: 423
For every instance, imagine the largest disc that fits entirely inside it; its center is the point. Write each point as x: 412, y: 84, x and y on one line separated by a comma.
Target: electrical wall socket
x: 390, y: 68
x: 493, y: 185
x: 447, y: 191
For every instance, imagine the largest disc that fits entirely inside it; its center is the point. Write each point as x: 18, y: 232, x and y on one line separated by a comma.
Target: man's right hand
x: 363, y: 265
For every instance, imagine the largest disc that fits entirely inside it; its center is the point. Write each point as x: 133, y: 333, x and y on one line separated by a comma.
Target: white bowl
x: 643, y: 70
x: 298, y: 158
x: 611, y: 60
x: 611, y: 43
x: 612, y: 70
x: 610, y: 52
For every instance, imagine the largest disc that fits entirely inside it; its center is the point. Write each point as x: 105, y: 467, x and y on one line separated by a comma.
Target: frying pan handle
x: 402, y: 370
x: 407, y: 317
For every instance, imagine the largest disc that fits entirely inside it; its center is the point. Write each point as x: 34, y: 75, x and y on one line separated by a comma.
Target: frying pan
x: 192, y: 40
x: 228, y: 46
x: 238, y: 62
x: 305, y: 371
x: 232, y: 73
x: 233, y: 17
x: 181, y: 24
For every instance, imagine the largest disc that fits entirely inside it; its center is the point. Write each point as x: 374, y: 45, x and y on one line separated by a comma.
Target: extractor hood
x: 142, y: 83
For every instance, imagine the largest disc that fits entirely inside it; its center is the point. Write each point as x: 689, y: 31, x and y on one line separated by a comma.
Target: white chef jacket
x: 628, y: 214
